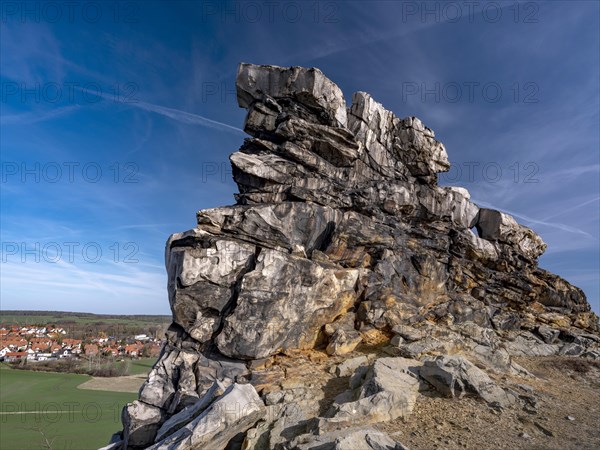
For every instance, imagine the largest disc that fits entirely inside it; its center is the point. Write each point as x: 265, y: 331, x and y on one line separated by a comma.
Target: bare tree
x: 46, y: 442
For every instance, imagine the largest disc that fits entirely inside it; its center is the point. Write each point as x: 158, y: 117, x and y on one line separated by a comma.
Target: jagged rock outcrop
x: 352, y: 439
x: 232, y: 413
x: 388, y: 390
x: 455, y: 376
x: 340, y: 230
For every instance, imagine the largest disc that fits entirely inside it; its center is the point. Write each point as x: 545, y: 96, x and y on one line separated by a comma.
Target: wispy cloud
x: 573, y: 208
x: 575, y: 172
x: 32, y: 117
x: 144, y: 225
x: 175, y: 114
x: 92, y: 288
x: 186, y: 117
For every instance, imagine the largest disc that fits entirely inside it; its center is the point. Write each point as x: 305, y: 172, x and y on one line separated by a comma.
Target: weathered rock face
x: 389, y: 390
x: 455, y: 376
x: 340, y: 228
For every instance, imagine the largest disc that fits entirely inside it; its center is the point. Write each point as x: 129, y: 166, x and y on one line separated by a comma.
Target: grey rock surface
x: 283, y: 303
x: 141, y: 423
x: 236, y: 410
x: 389, y: 390
x: 455, y: 376
x: 349, y: 366
x: 358, y: 438
x: 295, y: 87
x: 189, y: 413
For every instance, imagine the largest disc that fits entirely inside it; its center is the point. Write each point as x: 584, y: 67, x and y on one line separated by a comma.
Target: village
x: 32, y: 344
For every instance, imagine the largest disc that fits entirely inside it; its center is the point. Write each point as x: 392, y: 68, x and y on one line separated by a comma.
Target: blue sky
x: 118, y: 120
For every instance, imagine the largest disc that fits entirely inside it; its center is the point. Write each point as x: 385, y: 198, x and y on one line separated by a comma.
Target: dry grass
x: 130, y: 383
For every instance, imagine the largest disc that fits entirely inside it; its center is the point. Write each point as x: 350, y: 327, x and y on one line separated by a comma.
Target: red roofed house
x: 111, y: 351
x: 13, y: 342
x: 39, y: 345
x: 72, y: 343
x: 15, y: 356
x: 55, y: 348
x: 133, y: 349
x: 90, y: 349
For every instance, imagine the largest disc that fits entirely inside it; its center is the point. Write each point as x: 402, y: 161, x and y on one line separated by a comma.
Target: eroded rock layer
x: 340, y: 230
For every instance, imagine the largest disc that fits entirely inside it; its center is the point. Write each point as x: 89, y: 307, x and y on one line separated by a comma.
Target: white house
x: 43, y: 356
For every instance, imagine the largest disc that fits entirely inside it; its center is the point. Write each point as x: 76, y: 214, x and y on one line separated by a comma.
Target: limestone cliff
x: 340, y: 233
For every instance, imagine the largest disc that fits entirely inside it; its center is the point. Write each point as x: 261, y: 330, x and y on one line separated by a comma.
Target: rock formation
x: 341, y: 233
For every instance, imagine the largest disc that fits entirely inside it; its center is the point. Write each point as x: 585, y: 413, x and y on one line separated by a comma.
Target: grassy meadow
x: 47, y: 410
x: 140, y: 366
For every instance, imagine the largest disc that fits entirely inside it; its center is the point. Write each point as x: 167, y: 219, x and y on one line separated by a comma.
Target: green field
x: 69, y: 418
x: 139, y: 366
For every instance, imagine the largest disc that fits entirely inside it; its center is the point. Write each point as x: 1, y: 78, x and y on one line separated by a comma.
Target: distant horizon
x: 80, y: 312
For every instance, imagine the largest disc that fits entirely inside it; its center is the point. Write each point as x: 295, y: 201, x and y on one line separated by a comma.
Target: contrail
x: 573, y: 208
x: 172, y: 113
x: 186, y: 117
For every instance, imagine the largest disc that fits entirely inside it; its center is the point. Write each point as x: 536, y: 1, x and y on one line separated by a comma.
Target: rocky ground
x: 566, y: 392
x: 559, y: 405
